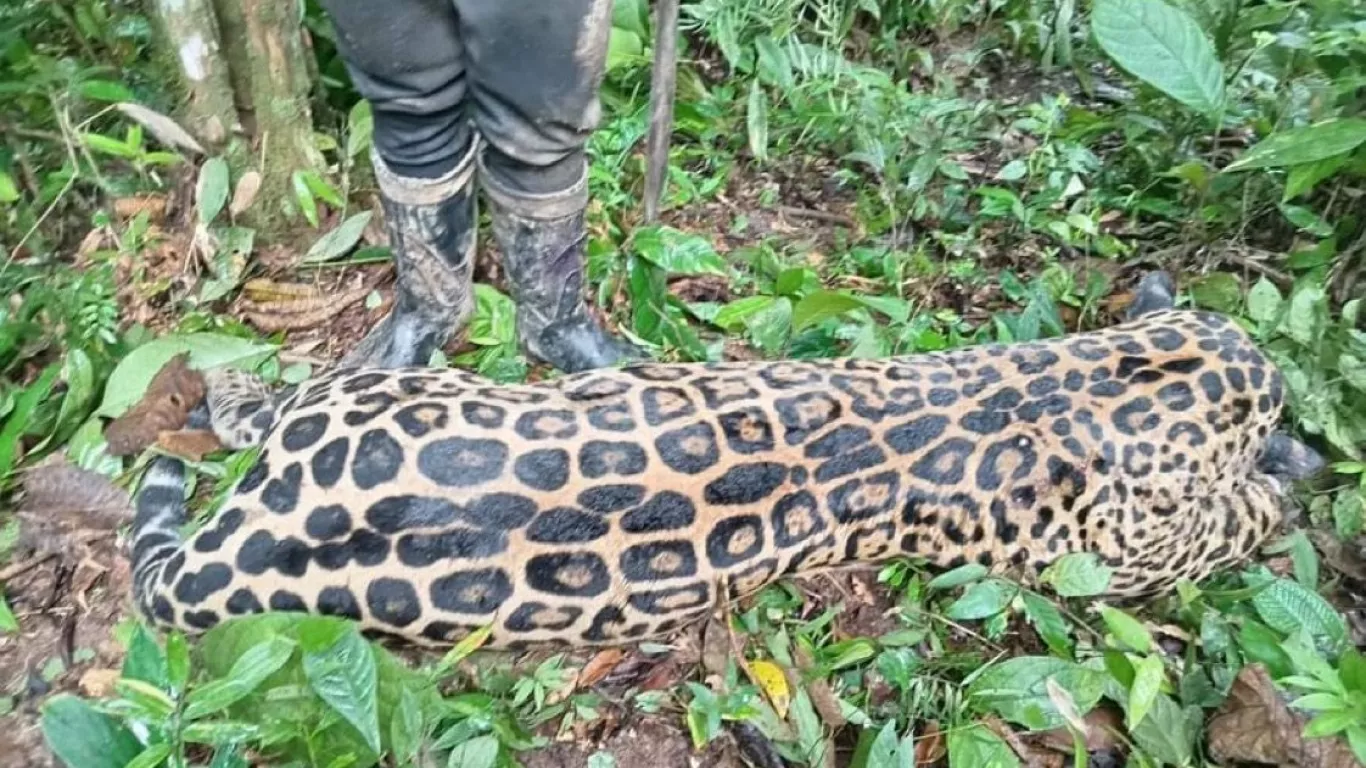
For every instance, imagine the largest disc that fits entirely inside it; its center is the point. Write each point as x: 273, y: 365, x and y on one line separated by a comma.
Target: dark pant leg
x: 407, y: 59
x: 535, y: 67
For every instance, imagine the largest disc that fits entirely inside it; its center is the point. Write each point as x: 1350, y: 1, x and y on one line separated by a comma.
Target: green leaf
x: 963, y: 574
x: 1148, y: 677
x: 678, y: 252
x: 756, y: 120
x: 17, y: 421
x: 1127, y: 630
x: 9, y: 191
x: 1168, y: 732
x: 322, y: 190
x: 1304, y: 178
x: 632, y: 16
x: 151, y: 757
x: 770, y: 328
x: 975, y: 746
x: 479, y: 752
x: 1330, y: 723
x: 981, y: 600
x: 774, y: 65
x: 81, y: 736
x: 408, y: 727
x: 1287, y: 607
x: 1049, y: 623
x: 339, y: 241
x: 304, y: 197
x: 1163, y: 46
x: 1017, y: 689
x: 177, y: 660
x: 733, y: 316
x: 343, y: 674
x: 106, y: 90
x: 821, y: 305
x: 1263, y: 301
x: 1304, y: 320
x: 212, y: 190
x: 1219, y: 291
x: 1077, y: 574
x: 882, y: 752
x: 1307, y: 144
x: 129, y: 380
x: 247, y: 674
x: 1349, y: 510
x: 145, y: 660
x: 1307, y: 220
x: 623, y: 47
x: 360, y: 128
x: 7, y: 621
x: 1263, y: 646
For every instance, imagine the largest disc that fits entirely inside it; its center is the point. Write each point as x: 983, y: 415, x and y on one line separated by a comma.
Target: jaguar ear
x: 1286, y: 458
x: 1155, y: 292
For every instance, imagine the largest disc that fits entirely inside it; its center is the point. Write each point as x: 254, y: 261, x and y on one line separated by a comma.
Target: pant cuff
x: 410, y: 191
x: 555, y: 205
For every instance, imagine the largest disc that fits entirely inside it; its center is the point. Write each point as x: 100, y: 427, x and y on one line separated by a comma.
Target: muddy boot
x: 544, y: 262
x: 432, y: 225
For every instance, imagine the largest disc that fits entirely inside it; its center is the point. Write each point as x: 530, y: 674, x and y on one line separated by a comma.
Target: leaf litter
x: 164, y: 407
x: 1256, y: 725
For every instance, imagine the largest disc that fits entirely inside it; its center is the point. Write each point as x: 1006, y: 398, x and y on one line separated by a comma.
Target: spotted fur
x: 616, y: 505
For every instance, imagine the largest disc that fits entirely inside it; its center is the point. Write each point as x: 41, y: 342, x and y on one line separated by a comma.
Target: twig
x: 8, y: 573
x: 1238, y: 259
x: 662, y: 84
x: 814, y: 215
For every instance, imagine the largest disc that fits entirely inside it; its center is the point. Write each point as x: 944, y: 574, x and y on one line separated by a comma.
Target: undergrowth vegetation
x: 848, y: 178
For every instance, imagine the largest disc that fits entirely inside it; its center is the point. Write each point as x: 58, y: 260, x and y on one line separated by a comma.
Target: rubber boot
x: 543, y: 258
x: 432, y: 226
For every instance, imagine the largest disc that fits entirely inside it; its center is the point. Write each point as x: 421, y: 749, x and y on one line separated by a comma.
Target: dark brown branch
x: 661, y: 105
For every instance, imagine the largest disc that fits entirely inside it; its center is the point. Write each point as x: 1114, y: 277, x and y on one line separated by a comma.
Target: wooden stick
x: 662, y: 83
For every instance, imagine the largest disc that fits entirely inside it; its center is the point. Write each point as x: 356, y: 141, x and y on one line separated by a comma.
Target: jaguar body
x: 614, y: 505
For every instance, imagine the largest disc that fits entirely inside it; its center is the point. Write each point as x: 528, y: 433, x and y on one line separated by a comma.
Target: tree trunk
x: 279, y: 99
x: 191, y: 31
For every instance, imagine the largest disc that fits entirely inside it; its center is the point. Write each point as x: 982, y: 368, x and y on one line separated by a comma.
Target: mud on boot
x: 432, y: 226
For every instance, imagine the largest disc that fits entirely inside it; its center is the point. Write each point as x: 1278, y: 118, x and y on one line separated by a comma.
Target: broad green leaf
x: 822, y: 305
x: 7, y: 621
x: 1263, y: 646
x: 632, y: 16
x: 1352, y: 670
x: 975, y: 746
x: 775, y: 67
x: 1163, y: 46
x: 308, y: 206
x: 756, y: 121
x: 360, y: 128
x: 81, y: 736
x: 17, y: 420
x: 1263, y: 301
x: 1148, y: 676
x: 1077, y: 574
x: 1219, y: 291
x: 771, y: 327
x: 339, y: 241
x: 177, y: 660
x: 1330, y: 723
x: 1307, y: 144
x: 106, y: 90
x: 408, y: 727
x: 9, y: 191
x: 678, y: 252
x: 882, y: 753
x: 144, y: 660
x: 963, y: 574
x: 981, y: 600
x: 212, y: 190
x: 1304, y: 178
x: 129, y: 380
x: 151, y: 757
x: 1349, y: 509
x: 1168, y: 732
x: 1049, y: 623
x: 1129, y: 631
x: 479, y: 752
x: 322, y: 190
x: 732, y: 316
x: 221, y: 732
x: 623, y: 47
x: 1017, y: 689
x: 1288, y: 607
x: 247, y: 674
x: 344, y: 676
x: 1306, y: 219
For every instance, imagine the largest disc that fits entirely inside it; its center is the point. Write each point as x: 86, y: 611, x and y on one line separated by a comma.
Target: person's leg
x: 534, y: 69
x: 406, y: 59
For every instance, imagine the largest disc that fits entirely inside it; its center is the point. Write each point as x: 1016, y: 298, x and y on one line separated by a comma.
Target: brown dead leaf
x: 715, y: 648
x: 599, y: 666
x: 300, y: 313
x: 245, y: 193
x: 714, y: 288
x: 191, y: 444
x: 1030, y: 756
x: 99, y: 683
x: 61, y: 493
x: 664, y: 676
x: 929, y: 746
x: 822, y: 696
x: 153, y: 205
x: 1104, y: 726
x: 1254, y: 725
x: 164, y: 407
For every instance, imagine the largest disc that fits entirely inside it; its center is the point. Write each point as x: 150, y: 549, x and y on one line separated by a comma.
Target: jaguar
x: 615, y: 505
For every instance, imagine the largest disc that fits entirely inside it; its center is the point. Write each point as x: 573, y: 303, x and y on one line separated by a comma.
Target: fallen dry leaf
x: 1030, y: 756
x: 58, y: 491
x: 245, y: 193
x: 822, y: 697
x: 299, y: 313
x: 715, y: 648
x: 701, y: 288
x: 99, y: 683
x: 1103, y: 727
x: 191, y: 444
x: 599, y: 666
x: 1254, y: 725
x: 929, y: 744
x: 164, y: 407
x: 166, y: 130
x: 153, y: 205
